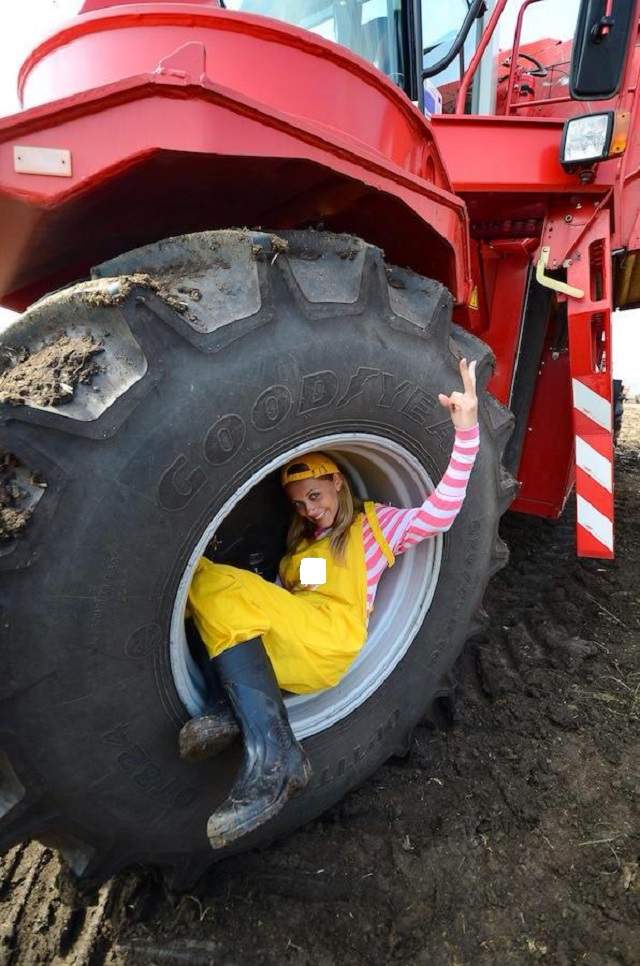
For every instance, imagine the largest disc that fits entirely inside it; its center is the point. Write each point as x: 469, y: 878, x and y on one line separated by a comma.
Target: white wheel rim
x: 380, y: 468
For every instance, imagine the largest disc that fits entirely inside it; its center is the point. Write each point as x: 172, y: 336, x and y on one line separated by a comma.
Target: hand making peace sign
x: 463, y: 406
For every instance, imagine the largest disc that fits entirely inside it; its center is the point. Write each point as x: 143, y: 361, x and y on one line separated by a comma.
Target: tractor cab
x: 402, y: 38
x: 426, y: 47
x: 375, y: 30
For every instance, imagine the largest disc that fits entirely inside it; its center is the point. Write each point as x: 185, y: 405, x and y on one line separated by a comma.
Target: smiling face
x: 316, y: 500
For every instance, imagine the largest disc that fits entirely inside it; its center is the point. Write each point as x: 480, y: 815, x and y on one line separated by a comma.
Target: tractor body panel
x: 150, y: 158
x: 167, y: 131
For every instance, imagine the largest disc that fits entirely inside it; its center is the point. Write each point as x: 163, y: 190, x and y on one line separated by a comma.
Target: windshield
x: 370, y: 28
x: 441, y: 23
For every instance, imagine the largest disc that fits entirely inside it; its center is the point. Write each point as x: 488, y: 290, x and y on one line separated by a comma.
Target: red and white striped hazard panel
x: 594, y: 469
x: 589, y: 271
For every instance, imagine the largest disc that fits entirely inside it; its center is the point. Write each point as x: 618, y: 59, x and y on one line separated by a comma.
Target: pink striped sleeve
x: 404, y: 528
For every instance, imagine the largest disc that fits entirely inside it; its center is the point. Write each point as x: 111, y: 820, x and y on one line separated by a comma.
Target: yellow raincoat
x: 312, y: 635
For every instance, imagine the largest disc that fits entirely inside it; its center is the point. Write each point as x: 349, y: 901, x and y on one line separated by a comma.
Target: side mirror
x: 600, y: 47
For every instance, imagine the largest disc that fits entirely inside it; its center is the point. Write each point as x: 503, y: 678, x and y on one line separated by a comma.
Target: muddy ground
x: 511, y: 838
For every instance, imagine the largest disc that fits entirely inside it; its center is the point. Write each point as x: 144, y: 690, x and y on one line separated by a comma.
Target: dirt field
x: 511, y: 838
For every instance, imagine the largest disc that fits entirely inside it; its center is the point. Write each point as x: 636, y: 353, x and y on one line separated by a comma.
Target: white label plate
x: 51, y: 161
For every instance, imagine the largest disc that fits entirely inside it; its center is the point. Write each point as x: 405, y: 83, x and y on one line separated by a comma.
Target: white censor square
x: 313, y: 571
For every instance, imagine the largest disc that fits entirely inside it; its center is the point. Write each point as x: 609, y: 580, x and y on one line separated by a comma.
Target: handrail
x: 514, y: 52
x: 542, y: 102
x: 477, y: 57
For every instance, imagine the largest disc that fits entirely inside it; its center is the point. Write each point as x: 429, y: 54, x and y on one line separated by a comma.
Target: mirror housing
x: 600, y: 48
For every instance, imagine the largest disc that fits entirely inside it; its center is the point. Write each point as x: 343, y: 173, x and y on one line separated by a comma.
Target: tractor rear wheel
x: 223, y: 354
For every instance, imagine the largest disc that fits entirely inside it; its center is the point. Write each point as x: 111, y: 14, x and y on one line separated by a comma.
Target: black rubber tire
x: 138, y: 463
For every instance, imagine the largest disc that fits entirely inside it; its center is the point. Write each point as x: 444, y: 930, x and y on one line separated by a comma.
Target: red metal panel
x: 113, y: 131
x: 474, y: 315
x: 555, y: 443
x: 510, y: 155
x: 503, y: 334
x: 366, y: 158
x: 546, y: 469
x: 627, y: 194
x: 293, y: 71
x: 90, y: 6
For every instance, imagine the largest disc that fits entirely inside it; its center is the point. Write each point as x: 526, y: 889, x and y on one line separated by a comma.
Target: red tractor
x: 241, y: 237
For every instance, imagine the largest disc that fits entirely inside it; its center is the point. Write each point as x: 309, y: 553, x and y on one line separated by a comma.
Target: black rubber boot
x: 275, y: 767
x: 210, y: 733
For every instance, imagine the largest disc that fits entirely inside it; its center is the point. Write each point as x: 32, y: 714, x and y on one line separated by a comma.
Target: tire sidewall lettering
x: 144, y: 642
x: 179, y: 484
x: 271, y: 407
x: 318, y: 390
x: 224, y: 439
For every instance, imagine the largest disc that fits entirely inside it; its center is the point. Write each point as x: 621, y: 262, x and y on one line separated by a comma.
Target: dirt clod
x: 13, y: 515
x: 49, y: 376
x: 279, y: 246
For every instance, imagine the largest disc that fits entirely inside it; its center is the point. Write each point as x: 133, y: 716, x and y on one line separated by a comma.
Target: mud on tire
x: 221, y: 351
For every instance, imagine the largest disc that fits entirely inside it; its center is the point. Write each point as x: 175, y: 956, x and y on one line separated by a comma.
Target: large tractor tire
x: 222, y: 354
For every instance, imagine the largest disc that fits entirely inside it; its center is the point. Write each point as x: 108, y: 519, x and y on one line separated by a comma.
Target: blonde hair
x: 349, y: 506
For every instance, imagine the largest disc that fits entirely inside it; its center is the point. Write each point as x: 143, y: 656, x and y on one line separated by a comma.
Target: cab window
x: 441, y: 23
x: 370, y: 28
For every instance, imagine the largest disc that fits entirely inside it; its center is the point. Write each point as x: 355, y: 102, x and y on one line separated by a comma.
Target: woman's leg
x: 228, y: 606
x: 274, y: 766
x: 231, y: 608
x: 210, y: 733
x: 310, y: 646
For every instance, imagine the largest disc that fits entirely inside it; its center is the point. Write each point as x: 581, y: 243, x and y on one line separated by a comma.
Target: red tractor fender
x: 148, y: 145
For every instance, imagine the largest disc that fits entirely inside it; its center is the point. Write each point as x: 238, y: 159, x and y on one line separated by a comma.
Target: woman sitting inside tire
x: 304, y: 635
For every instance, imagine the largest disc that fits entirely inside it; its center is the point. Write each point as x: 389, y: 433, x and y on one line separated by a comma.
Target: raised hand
x: 463, y: 406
